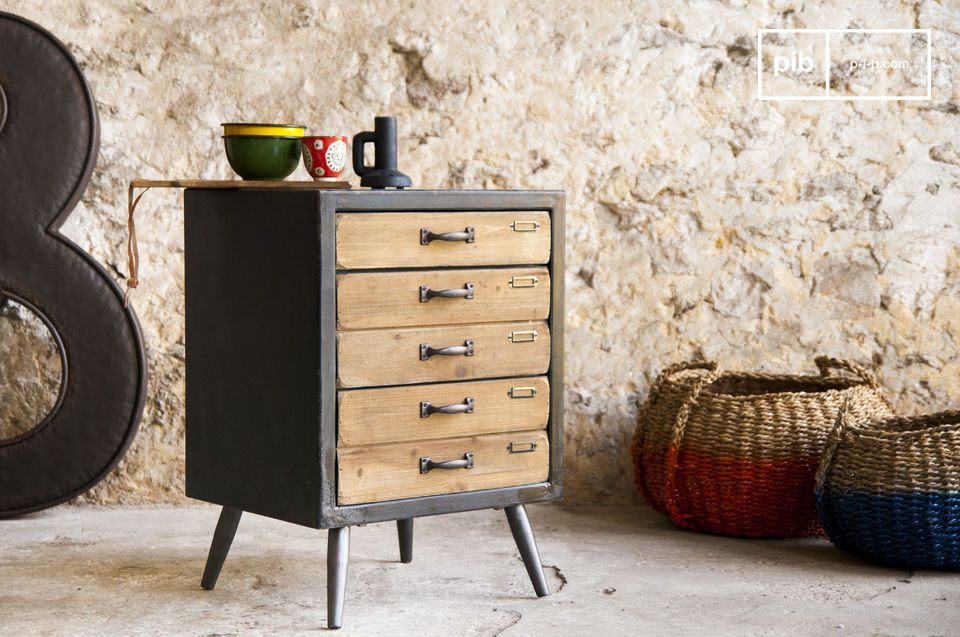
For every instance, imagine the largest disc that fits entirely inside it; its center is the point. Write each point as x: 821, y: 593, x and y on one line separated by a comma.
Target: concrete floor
x: 613, y: 571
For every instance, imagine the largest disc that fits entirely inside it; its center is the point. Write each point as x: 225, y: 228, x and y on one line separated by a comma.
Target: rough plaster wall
x: 702, y: 222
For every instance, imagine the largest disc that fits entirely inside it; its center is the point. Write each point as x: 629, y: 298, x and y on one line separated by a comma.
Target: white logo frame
x: 826, y: 97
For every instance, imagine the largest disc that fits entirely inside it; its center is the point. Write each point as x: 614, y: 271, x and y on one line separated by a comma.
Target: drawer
x: 408, y: 355
x: 369, y: 240
x: 400, y: 299
x: 399, y: 414
x: 392, y: 472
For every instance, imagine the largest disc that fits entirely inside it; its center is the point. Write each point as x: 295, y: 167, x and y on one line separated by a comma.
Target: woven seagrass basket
x: 737, y: 453
x: 888, y: 490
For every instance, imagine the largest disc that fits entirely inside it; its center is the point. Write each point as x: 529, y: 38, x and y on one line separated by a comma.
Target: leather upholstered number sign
x: 49, y: 139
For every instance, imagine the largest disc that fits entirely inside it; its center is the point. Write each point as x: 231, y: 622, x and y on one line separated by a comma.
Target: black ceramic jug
x: 383, y: 173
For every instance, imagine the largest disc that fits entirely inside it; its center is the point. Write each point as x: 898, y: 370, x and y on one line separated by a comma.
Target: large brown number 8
x: 49, y: 139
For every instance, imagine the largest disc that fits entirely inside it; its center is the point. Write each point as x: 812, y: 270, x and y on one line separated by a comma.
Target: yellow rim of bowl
x: 257, y: 130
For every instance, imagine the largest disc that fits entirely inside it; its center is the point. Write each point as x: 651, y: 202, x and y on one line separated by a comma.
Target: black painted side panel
x: 252, y: 316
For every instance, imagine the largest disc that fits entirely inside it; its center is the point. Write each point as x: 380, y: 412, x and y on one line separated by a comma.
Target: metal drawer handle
x: 426, y: 464
x: 466, y: 407
x: 454, y: 350
x: 427, y: 293
x: 468, y: 235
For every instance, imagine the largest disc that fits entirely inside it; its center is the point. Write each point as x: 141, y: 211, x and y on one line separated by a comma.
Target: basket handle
x: 676, y: 368
x: 833, y: 441
x: 828, y: 364
x: 636, y: 445
x: 654, y: 394
x: 713, y: 372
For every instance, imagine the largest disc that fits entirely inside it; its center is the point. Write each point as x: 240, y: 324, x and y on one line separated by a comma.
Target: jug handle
x: 359, y: 141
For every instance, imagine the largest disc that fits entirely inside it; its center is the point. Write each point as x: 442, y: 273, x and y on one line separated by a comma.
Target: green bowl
x: 268, y: 158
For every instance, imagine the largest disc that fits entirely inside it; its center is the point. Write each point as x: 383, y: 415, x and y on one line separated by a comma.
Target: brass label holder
x: 525, y: 336
x: 522, y: 392
x: 525, y: 226
x: 524, y: 281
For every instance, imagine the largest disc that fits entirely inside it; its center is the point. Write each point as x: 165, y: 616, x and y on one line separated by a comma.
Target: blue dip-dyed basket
x: 889, y: 490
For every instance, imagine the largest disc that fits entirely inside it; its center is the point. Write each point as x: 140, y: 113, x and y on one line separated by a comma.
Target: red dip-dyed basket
x: 737, y: 453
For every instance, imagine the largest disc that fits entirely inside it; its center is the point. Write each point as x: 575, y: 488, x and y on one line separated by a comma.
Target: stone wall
x: 30, y: 370
x: 702, y: 222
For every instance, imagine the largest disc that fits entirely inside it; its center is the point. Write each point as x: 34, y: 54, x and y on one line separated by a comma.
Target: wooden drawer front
x: 393, y: 357
x: 394, y: 239
x: 400, y: 299
x: 399, y: 414
x: 392, y: 472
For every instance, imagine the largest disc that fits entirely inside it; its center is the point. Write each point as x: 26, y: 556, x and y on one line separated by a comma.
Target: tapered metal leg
x: 405, y: 531
x: 220, y: 546
x: 338, y: 553
x: 523, y: 535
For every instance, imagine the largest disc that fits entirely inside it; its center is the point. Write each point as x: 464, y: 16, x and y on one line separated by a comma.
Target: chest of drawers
x: 365, y: 356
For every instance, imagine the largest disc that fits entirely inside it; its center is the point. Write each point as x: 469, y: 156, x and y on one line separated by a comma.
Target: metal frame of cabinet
x: 261, y: 343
